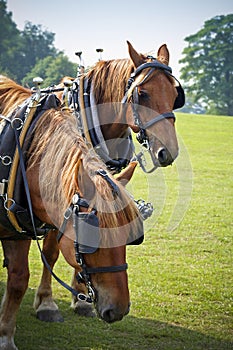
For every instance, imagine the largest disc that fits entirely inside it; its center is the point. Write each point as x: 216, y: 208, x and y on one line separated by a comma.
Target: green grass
x: 180, y: 278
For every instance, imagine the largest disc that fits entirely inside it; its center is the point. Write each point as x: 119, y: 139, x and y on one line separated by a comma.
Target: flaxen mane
x: 68, y: 166
x: 110, y: 78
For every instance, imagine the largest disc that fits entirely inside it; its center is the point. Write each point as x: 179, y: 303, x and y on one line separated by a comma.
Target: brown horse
x: 65, y: 180
x: 152, y: 96
x: 139, y: 93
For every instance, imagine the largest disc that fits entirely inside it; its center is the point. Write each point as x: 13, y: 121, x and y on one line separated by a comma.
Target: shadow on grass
x: 82, y: 333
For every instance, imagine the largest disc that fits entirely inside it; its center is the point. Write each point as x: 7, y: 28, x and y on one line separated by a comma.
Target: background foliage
x: 31, y: 52
x: 208, y: 68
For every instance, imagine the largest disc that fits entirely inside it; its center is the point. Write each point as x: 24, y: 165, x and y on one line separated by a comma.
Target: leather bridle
x: 133, y: 97
x: 82, y: 223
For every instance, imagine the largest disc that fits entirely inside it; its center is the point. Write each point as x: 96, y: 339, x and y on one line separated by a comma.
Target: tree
x: 30, y: 53
x: 36, y: 45
x: 10, y: 42
x: 52, y: 70
x: 208, y: 68
x: 20, y: 50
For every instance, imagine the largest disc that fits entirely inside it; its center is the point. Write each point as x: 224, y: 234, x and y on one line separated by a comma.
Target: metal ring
x: 6, y: 160
x: 82, y: 297
x: 17, y: 120
x: 6, y: 201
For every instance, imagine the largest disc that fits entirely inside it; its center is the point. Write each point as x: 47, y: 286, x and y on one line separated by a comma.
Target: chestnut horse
x: 149, y: 94
x: 65, y: 180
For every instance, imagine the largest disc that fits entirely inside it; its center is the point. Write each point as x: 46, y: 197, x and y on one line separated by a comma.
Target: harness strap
x: 154, y: 64
x: 105, y: 269
x: 88, y: 120
x: 82, y: 105
x: 115, y: 189
x: 16, y: 160
x: 157, y: 119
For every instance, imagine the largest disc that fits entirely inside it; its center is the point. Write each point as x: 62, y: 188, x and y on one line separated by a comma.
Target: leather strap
x: 153, y: 64
x: 14, y: 167
x: 157, y: 119
x: 105, y: 269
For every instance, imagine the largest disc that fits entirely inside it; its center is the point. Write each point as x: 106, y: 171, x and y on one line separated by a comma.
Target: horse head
x: 100, y: 259
x: 152, y: 96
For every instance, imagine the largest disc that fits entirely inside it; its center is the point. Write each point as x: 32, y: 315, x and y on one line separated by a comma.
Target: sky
x: 90, y: 24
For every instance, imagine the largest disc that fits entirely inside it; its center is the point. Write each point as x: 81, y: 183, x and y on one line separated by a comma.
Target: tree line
x: 206, y: 65
x: 31, y: 52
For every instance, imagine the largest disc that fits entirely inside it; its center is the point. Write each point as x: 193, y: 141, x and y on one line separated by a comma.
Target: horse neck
x: 109, y: 79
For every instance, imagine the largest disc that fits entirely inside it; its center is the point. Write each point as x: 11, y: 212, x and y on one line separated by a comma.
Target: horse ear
x: 136, y: 57
x: 125, y: 176
x: 163, y: 54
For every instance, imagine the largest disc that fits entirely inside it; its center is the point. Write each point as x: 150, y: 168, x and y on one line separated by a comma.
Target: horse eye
x: 144, y: 95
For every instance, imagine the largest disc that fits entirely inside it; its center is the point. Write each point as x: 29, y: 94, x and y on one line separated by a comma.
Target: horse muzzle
x: 111, y: 313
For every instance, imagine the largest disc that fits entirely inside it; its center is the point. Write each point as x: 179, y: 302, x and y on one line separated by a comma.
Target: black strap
x: 158, y: 118
x: 104, y: 174
x: 104, y: 269
x: 153, y: 64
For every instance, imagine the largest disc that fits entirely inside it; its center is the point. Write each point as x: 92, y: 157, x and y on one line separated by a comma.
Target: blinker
x: 180, y: 100
x: 86, y: 226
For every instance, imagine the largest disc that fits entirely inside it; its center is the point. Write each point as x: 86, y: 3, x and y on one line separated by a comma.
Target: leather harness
x: 14, y: 214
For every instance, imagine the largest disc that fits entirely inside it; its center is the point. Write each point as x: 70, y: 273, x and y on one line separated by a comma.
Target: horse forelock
x: 137, y: 82
x: 110, y: 79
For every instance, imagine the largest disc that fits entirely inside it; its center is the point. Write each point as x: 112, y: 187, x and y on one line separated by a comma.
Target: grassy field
x: 180, y: 278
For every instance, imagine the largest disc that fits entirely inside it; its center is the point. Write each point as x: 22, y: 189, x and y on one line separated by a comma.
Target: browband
x: 153, y: 64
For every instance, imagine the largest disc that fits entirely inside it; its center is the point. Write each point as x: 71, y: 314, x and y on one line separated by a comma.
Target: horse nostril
x: 162, y: 155
x: 108, y: 315
x: 111, y: 315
